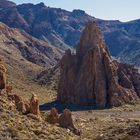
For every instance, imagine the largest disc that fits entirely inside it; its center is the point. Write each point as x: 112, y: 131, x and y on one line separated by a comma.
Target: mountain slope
x: 63, y: 28
x: 25, y: 57
x: 30, y: 49
x: 124, y: 42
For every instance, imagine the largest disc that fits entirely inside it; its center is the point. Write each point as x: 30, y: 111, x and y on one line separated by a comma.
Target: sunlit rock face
x: 91, y: 77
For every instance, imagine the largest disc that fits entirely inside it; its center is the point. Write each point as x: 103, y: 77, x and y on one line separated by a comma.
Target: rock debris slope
x: 24, y: 46
x: 91, y: 77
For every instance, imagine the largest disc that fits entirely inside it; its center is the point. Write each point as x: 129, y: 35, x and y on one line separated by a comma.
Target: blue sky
x: 123, y: 10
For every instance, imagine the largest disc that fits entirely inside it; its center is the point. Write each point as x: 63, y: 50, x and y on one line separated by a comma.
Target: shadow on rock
x: 60, y: 107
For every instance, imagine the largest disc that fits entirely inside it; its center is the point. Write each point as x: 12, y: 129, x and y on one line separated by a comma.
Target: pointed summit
x: 91, y: 77
x: 91, y: 39
x: 40, y: 5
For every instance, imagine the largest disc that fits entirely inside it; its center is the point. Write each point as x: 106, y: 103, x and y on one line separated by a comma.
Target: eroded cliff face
x: 91, y: 77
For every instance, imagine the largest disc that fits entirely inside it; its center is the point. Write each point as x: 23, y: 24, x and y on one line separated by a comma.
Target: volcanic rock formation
x: 2, y: 75
x: 18, y: 102
x: 91, y: 77
x: 52, y: 118
x: 34, y: 105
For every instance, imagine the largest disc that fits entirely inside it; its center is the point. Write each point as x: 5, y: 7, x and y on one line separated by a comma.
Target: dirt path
x: 108, y: 113
x: 115, y: 124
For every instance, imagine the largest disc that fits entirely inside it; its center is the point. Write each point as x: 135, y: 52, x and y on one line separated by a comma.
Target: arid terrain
x: 54, y: 88
x: 115, y: 123
x: 122, y: 123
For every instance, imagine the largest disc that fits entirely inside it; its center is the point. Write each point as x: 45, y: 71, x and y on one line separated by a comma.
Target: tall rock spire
x: 91, y: 76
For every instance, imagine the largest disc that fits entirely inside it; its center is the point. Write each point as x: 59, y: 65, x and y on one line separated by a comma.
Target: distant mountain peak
x: 41, y: 4
x: 6, y: 4
x: 63, y: 28
x: 78, y: 12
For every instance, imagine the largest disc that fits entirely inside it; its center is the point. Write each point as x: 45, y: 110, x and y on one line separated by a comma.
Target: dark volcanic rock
x: 91, y: 77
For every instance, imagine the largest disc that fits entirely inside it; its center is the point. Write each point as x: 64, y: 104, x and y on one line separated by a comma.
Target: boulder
x: 34, y: 105
x: 52, y: 118
x: 92, y: 77
x: 65, y: 119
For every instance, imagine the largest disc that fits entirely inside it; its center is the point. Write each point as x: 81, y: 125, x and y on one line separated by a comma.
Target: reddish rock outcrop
x: 65, y: 119
x: 18, y: 102
x: 26, y: 107
x: 91, y: 77
x: 52, y: 118
x: 3, y: 71
x: 34, y: 105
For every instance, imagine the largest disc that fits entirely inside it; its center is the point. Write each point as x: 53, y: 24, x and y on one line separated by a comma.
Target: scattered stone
x: 90, y: 111
x: 96, y: 118
x: 91, y: 119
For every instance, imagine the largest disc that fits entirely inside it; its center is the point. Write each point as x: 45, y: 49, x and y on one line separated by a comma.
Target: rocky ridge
x: 29, y: 48
x: 63, y: 28
x: 25, y: 57
x: 7, y: 4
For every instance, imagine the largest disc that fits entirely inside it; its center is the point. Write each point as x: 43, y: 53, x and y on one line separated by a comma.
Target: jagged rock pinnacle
x: 91, y: 76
